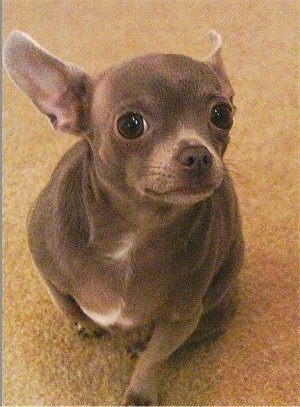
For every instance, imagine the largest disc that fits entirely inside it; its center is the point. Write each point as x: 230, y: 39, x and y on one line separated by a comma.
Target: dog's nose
x: 197, y: 159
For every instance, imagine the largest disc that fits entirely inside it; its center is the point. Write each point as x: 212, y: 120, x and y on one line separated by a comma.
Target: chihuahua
x: 139, y: 222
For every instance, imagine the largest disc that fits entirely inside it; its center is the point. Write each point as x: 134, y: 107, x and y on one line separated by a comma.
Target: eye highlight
x: 221, y: 117
x: 131, y: 125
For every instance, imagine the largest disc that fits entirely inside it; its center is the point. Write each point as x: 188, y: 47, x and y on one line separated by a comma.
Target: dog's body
x: 139, y: 222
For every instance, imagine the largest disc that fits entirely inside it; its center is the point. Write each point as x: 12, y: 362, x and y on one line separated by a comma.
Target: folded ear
x: 214, y: 61
x: 62, y: 92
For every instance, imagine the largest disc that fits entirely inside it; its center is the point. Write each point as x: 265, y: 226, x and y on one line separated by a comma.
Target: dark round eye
x: 221, y: 117
x: 131, y: 125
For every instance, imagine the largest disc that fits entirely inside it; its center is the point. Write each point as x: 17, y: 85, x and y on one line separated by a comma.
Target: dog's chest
x: 114, y: 316
x: 145, y: 271
x: 119, y: 256
x: 123, y: 248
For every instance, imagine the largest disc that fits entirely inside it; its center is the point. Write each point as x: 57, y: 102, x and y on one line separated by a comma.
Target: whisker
x: 238, y: 174
x: 228, y: 169
x: 231, y: 160
x: 235, y: 146
x: 227, y: 164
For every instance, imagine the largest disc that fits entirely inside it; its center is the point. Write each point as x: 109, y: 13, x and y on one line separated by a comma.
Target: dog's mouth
x: 183, y: 193
x: 193, y: 189
x: 171, y: 187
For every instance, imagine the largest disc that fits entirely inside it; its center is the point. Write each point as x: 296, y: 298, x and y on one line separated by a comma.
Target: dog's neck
x: 132, y: 213
x: 132, y: 210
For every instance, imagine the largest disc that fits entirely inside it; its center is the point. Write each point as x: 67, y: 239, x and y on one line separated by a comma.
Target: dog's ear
x: 215, y: 62
x: 62, y: 92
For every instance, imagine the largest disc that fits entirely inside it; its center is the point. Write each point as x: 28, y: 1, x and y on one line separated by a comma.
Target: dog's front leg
x: 167, y: 337
x: 68, y: 306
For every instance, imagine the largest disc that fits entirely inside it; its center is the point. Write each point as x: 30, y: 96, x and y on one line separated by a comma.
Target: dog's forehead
x: 159, y: 74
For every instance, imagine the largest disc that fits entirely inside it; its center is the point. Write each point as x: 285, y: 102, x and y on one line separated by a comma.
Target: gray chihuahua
x: 139, y: 222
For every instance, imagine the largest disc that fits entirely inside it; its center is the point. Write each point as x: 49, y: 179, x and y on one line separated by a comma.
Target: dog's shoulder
x: 60, y: 207
x: 72, y: 159
x: 67, y: 190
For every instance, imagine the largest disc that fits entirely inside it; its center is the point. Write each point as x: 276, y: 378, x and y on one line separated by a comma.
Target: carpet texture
x: 256, y: 362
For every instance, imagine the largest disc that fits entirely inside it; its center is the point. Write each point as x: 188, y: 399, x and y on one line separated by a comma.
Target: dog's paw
x: 88, y: 332
x: 140, y: 398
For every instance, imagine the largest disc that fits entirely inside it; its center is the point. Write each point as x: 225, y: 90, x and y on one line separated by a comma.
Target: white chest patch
x: 116, y: 315
x: 110, y: 318
x: 126, y: 245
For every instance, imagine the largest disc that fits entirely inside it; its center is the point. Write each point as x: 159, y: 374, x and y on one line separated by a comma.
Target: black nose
x: 197, y: 159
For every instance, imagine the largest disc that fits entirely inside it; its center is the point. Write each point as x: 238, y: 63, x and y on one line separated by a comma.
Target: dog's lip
x: 192, y: 189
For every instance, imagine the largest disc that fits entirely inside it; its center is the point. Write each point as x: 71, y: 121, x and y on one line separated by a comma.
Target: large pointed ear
x: 215, y: 62
x: 62, y: 92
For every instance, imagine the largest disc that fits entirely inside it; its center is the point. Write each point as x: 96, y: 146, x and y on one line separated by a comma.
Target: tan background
x: 255, y: 363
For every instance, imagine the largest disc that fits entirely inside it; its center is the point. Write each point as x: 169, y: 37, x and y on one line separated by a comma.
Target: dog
x: 140, y: 221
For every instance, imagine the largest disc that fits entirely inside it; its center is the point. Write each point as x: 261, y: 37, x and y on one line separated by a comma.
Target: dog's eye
x: 131, y: 125
x: 221, y: 117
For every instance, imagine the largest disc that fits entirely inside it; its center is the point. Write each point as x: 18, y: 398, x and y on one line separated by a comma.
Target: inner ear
x: 215, y: 62
x: 59, y: 90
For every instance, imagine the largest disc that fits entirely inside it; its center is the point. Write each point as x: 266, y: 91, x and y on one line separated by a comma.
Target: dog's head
x: 158, y: 125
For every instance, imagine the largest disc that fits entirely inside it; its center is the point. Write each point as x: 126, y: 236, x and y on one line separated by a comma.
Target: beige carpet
x: 256, y: 362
